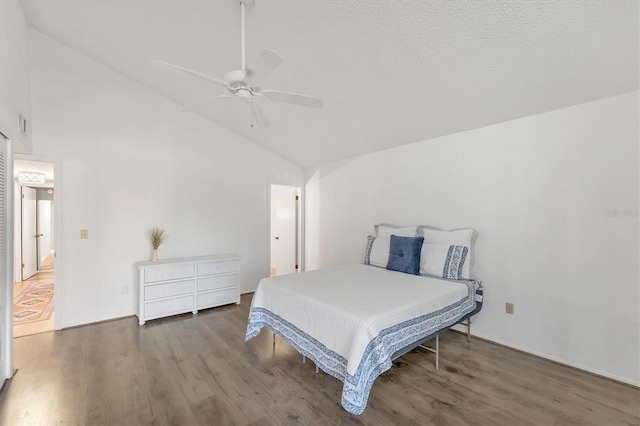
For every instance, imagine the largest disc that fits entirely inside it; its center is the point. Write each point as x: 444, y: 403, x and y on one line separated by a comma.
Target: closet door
x: 6, y: 259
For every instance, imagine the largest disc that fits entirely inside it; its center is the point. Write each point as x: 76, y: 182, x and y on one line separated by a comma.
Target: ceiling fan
x: 244, y: 84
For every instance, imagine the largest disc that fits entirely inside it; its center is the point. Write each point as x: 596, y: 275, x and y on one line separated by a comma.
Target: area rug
x: 34, y: 303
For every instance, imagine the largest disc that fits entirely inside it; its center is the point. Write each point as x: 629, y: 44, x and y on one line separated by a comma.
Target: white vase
x: 154, y: 256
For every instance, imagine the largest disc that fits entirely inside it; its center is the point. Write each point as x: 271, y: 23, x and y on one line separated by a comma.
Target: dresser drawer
x: 217, y: 267
x: 176, y: 288
x: 173, y: 272
x: 217, y: 298
x: 216, y: 282
x: 163, y: 308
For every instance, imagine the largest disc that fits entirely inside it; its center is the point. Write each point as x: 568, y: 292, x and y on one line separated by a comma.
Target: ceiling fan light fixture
x: 244, y: 93
x: 31, y: 177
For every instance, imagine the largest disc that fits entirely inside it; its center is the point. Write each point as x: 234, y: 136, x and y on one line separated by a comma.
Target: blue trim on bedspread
x: 377, y: 356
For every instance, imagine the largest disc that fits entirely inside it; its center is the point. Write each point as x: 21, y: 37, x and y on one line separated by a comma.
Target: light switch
x: 509, y: 308
x: 84, y: 234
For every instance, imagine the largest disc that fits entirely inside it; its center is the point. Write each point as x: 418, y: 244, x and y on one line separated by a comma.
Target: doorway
x: 34, y: 289
x: 285, y: 229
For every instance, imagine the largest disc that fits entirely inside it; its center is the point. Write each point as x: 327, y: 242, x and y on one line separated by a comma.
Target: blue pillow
x: 404, y: 254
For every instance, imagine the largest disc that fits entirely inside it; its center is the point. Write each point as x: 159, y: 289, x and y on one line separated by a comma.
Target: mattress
x: 351, y: 319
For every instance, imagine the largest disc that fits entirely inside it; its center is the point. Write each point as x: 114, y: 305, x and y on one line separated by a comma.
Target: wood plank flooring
x: 48, y: 263
x: 189, y: 370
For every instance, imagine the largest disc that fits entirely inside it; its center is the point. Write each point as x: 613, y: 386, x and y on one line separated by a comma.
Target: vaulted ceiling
x: 390, y: 72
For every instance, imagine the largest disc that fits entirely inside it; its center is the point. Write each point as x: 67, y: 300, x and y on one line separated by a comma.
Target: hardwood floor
x: 34, y: 327
x: 48, y: 263
x: 198, y: 370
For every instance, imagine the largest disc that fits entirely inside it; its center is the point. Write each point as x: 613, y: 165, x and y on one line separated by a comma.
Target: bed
x: 353, y: 320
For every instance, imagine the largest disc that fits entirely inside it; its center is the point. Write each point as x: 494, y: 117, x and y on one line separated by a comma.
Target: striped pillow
x: 458, y: 246
x: 377, y: 253
x: 444, y: 261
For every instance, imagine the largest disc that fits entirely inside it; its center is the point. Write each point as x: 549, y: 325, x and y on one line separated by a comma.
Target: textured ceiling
x: 390, y: 72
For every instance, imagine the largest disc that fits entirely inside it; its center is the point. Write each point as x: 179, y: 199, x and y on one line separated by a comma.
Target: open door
x: 44, y: 233
x: 285, y: 229
x: 29, y: 236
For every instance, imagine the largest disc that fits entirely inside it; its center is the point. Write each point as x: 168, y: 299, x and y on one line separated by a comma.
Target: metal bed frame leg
x: 469, y: 330
x: 437, y: 352
x: 304, y: 358
x: 304, y: 361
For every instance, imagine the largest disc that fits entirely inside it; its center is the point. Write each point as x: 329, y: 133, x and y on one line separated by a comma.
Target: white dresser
x: 176, y: 286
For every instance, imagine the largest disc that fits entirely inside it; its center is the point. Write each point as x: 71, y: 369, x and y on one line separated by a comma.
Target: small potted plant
x: 157, y: 237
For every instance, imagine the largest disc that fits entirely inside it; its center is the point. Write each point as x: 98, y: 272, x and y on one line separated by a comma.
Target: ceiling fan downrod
x: 243, y: 5
x: 242, y: 32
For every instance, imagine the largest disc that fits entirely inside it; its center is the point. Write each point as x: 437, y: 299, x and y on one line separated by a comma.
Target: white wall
x: 15, y: 86
x: 129, y: 160
x: 555, y: 199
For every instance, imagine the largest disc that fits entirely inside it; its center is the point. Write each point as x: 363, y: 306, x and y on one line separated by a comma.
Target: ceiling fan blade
x: 195, y: 107
x: 196, y: 74
x: 265, y: 63
x: 293, y: 98
x: 261, y: 119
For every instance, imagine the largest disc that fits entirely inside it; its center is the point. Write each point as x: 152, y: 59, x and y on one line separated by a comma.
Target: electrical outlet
x: 509, y: 308
x: 125, y: 289
x: 84, y: 234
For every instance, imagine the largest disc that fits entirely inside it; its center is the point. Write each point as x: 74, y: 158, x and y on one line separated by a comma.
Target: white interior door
x: 284, y: 229
x: 44, y: 228
x: 6, y: 260
x: 29, y: 246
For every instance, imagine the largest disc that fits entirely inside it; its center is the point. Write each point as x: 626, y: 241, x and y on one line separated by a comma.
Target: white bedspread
x: 351, y: 319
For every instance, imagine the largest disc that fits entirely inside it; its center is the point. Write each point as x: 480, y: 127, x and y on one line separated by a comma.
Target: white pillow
x: 440, y: 242
x: 385, y: 230
x: 377, y: 251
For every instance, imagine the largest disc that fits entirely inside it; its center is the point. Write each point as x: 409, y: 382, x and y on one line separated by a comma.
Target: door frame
x: 7, y: 277
x: 300, y: 226
x: 58, y: 281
